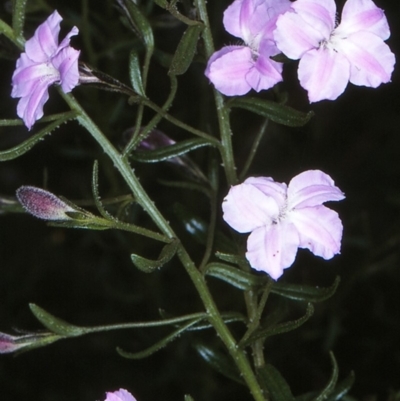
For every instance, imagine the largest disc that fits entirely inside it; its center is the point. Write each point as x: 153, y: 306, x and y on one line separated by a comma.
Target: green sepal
x: 46, y: 339
x: 234, y: 276
x: 169, y: 152
x: 25, y: 146
x: 138, y: 22
x: 198, y: 228
x: 273, y: 382
x: 54, y: 324
x: 159, y: 345
x: 276, y: 112
x: 337, y: 394
x: 188, y: 397
x: 305, y: 293
x: 149, y: 266
x: 263, y: 333
x: 219, y: 361
x: 135, y: 74
x: 186, y: 50
x: 330, y: 386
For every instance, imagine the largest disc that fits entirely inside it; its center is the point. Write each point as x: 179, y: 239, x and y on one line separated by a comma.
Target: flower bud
x: 43, y: 204
x: 10, y: 343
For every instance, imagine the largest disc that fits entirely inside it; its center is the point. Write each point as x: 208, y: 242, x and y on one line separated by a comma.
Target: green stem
x: 222, y: 112
x: 197, y: 278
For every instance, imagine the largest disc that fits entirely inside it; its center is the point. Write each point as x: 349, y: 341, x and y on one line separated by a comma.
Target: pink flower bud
x: 43, y: 204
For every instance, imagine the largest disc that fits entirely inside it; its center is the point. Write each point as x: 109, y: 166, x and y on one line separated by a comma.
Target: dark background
x: 86, y: 277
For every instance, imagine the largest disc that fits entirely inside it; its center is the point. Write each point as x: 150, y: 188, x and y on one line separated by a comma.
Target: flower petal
x: 312, y: 188
x: 266, y: 72
x: 273, y: 248
x: 30, y: 108
x: 270, y: 188
x: 363, y: 15
x: 324, y: 73
x: 120, y: 395
x: 65, y: 42
x: 232, y: 17
x: 43, y: 45
x: 66, y: 62
x: 246, y: 208
x: 294, y: 36
x: 227, y: 70
x: 320, y: 230
x: 371, y: 60
x: 318, y: 14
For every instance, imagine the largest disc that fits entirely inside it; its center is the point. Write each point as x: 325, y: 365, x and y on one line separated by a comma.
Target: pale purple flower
x: 283, y: 218
x: 44, y: 62
x: 235, y: 70
x: 120, y: 395
x: 331, y: 56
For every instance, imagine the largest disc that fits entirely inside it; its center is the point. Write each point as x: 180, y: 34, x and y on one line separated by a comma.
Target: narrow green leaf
x: 273, y: 382
x: 342, y: 388
x: 234, y: 276
x: 138, y: 22
x: 186, y: 50
x: 169, y: 152
x: 156, y: 347
x: 149, y: 266
x: 18, y: 17
x: 231, y: 258
x: 135, y: 74
x: 304, y: 292
x: 277, y: 112
x: 337, y: 394
x: 263, y: 333
x: 25, y: 146
x: 162, y: 3
x: 219, y: 361
x: 55, y: 324
x: 328, y: 389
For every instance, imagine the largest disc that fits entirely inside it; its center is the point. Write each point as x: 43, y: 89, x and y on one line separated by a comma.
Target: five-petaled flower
x: 331, y: 56
x: 44, y: 63
x: 235, y: 70
x: 120, y: 395
x: 283, y: 218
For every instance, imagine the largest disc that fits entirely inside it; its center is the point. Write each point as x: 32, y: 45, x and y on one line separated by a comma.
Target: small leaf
x: 277, y: 112
x: 337, y: 394
x: 263, y: 333
x: 328, y: 389
x: 234, y: 276
x: 168, y: 152
x: 305, y: 293
x: 23, y: 147
x: 148, y: 266
x: 186, y: 50
x: 228, y: 257
x: 138, y: 22
x: 135, y: 74
x: 273, y: 382
x: 188, y: 397
x: 219, y: 361
x: 162, y: 3
x: 156, y: 347
x: 55, y: 324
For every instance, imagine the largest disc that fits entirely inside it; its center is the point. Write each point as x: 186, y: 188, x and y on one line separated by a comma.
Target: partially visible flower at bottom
x: 283, y: 218
x: 44, y: 62
x: 120, y: 395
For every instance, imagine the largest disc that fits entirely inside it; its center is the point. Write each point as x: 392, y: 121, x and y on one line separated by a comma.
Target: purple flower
x: 235, y: 70
x: 44, y: 63
x: 331, y: 56
x: 283, y: 218
x: 120, y: 395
